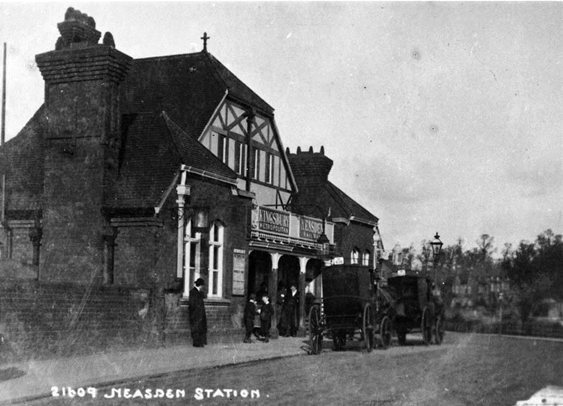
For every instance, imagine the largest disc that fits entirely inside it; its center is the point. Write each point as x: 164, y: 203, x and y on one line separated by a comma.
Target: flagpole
x: 4, y: 100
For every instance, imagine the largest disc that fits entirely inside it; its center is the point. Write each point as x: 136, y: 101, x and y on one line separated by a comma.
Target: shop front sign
x: 272, y: 221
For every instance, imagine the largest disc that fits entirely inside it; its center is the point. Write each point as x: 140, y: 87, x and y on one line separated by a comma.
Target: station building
x: 150, y: 173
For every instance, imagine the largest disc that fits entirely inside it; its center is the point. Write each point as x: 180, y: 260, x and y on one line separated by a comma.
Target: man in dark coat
x: 290, y: 312
x: 250, y: 311
x: 198, y: 319
x: 266, y: 313
x: 282, y: 324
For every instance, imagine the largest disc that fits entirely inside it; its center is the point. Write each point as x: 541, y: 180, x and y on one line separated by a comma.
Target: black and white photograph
x: 281, y: 203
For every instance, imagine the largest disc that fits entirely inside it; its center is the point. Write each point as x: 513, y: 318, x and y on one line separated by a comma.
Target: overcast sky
x: 438, y: 116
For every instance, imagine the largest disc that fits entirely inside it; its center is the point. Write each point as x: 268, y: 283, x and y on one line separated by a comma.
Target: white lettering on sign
x: 309, y: 228
x: 275, y: 221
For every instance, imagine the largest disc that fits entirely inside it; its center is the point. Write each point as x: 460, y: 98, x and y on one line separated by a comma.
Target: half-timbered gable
x: 212, y: 105
x: 267, y: 170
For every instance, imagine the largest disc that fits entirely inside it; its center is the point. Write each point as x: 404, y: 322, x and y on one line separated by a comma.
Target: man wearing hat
x: 197, y: 317
x: 250, y: 310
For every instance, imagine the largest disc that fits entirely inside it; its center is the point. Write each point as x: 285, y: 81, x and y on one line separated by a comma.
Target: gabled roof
x: 153, y: 149
x: 21, y: 160
x: 188, y: 87
x: 347, y: 205
x: 316, y: 195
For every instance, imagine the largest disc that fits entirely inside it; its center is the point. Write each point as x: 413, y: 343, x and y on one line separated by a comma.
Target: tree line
x: 522, y: 277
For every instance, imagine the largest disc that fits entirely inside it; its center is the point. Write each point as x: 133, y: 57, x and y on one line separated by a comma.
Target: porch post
x: 302, y: 270
x: 273, y: 289
x: 182, y: 263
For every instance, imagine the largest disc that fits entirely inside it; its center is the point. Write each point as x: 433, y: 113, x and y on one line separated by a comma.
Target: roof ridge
x: 358, y: 215
x: 337, y: 197
x: 167, y: 56
x: 166, y: 124
x: 214, y: 61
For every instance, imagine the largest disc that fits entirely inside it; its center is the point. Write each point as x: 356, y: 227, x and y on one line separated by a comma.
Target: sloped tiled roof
x: 188, y: 87
x: 348, y: 205
x: 153, y: 149
x: 193, y: 153
x: 316, y: 197
x: 21, y: 160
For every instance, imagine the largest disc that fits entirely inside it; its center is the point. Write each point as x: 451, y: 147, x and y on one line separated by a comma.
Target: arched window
x: 355, y: 256
x: 216, y: 243
x: 366, y: 257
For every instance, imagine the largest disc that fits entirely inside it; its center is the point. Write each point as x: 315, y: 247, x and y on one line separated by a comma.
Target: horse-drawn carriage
x: 418, y: 307
x: 352, y: 305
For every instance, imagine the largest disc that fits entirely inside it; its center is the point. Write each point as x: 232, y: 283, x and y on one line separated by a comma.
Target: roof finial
x: 205, y: 38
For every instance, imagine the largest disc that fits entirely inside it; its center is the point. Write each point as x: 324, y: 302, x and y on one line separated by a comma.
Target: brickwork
x: 354, y: 225
x: 48, y: 319
x: 354, y: 235
x: 72, y: 217
x: 224, y: 322
x: 134, y: 256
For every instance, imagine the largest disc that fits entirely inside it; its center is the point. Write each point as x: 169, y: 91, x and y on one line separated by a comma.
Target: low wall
x: 42, y: 319
x: 223, y: 324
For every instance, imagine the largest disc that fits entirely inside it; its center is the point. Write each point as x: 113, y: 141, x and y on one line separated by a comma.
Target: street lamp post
x: 436, y: 245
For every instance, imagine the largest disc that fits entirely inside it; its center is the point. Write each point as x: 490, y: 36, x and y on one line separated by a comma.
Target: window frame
x: 190, y: 240
x: 216, y: 259
x: 355, y: 256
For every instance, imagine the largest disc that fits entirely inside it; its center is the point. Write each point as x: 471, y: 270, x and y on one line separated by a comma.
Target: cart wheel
x: 368, y: 329
x: 339, y: 340
x: 426, y: 327
x: 385, y: 332
x: 315, y: 330
x: 439, y: 330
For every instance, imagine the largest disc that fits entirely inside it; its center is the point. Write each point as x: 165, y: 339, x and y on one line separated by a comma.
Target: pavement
x: 34, y: 379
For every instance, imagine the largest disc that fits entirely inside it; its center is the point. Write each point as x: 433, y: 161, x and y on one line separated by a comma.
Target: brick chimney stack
x: 314, y: 166
x: 82, y: 143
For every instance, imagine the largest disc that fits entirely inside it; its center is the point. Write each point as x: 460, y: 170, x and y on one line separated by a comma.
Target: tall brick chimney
x: 314, y: 166
x: 82, y: 80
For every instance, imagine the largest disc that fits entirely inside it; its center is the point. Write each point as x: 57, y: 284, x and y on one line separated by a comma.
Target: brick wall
x: 64, y: 319
x: 354, y: 235
x: 223, y: 320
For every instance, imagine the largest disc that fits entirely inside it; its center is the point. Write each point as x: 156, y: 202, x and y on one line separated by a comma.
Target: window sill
x: 212, y: 301
x: 217, y: 301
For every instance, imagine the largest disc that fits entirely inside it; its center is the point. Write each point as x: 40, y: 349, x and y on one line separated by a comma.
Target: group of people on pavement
x: 266, y: 312
x: 287, y: 306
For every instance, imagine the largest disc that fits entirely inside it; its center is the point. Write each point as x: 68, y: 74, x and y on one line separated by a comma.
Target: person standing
x: 197, y: 317
x: 290, y: 312
x: 280, y: 300
x: 250, y: 311
x: 266, y: 313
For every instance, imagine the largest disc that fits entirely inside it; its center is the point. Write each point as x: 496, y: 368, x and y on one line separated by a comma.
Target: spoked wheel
x: 439, y: 330
x: 339, y: 340
x: 426, y: 327
x: 315, y: 330
x: 368, y: 328
x: 385, y: 332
